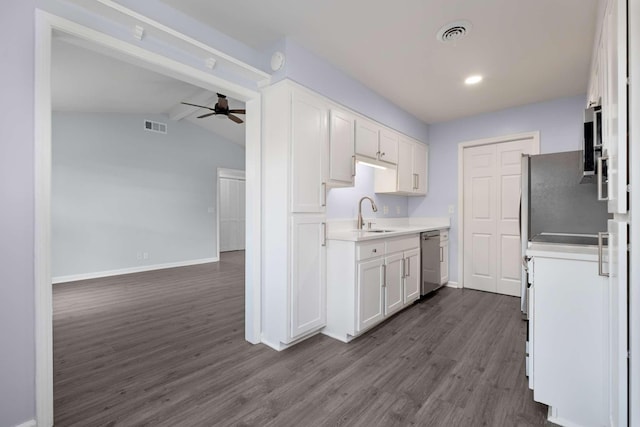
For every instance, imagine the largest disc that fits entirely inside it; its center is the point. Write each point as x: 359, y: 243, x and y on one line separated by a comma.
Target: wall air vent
x: 454, y: 31
x: 155, y: 126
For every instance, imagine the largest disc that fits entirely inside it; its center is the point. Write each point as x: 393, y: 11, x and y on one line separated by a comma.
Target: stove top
x: 564, y: 239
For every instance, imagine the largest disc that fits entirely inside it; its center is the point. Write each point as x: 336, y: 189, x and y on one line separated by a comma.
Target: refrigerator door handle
x: 601, y: 272
x: 600, y: 176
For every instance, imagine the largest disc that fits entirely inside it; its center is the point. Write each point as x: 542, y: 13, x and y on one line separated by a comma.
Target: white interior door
x: 232, y: 214
x: 491, y: 205
x: 480, y: 231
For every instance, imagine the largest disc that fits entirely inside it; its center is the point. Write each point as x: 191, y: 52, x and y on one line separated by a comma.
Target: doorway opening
x: 47, y: 27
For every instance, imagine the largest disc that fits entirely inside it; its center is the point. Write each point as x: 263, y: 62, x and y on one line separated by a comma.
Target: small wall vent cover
x: 155, y: 126
x: 454, y: 31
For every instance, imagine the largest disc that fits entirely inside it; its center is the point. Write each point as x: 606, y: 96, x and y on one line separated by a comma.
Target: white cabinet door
x: 308, y: 305
x: 444, y: 262
x: 308, y: 151
x: 411, y: 276
x: 393, y: 295
x: 341, y: 148
x: 571, y: 337
x: 406, y: 180
x: 367, y: 138
x: 389, y: 146
x: 420, y: 168
x: 370, y: 291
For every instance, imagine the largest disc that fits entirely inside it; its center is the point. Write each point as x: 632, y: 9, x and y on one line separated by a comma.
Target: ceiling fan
x: 222, y: 108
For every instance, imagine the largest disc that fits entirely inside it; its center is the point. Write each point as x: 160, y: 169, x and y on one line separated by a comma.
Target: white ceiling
x: 84, y: 80
x: 527, y: 50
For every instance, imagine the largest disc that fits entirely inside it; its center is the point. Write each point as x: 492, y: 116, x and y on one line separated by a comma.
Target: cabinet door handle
x: 353, y: 165
x: 600, y: 177
x: 601, y: 272
x: 324, y: 234
x: 324, y: 194
x: 408, y: 271
x: 384, y: 275
x: 442, y: 253
x: 404, y: 268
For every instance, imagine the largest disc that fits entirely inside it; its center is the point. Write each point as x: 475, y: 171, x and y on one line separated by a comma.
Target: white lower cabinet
x: 308, y: 275
x: 568, y: 348
x: 369, y: 281
x: 393, y: 281
x: 370, y: 293
x: 412, y: 276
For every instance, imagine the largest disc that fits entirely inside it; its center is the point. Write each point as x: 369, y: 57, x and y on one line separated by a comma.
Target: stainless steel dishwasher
x: 430, y: 254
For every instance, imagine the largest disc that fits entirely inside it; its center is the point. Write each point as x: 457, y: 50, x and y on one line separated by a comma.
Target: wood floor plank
x: 167, y: 348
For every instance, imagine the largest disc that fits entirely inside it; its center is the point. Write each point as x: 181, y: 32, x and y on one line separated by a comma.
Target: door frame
x: 236, y: 174
x: 535, y: 136
x: 45, y: 24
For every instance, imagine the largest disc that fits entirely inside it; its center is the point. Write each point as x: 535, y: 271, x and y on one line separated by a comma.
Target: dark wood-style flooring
x: 167, y: 348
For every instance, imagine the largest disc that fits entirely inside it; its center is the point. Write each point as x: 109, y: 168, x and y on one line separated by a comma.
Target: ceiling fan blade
x: 234, y: 118
x: 238, y: 111
x: 196, y: 105
x: 206, y: 115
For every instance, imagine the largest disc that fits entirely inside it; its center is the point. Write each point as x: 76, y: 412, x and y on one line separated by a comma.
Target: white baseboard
x: 452, y: 285
x: 99, y: 274
x: 30, y: 423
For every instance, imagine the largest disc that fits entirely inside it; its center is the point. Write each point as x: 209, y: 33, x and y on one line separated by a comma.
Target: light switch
x: 451, y: 209
x: 398, y: 210
x: 385, y: 209
x: 210, y: 209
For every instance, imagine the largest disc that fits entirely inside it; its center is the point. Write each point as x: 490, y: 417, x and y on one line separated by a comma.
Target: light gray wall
x: 17, y: 330
x: 119, y: 190
x: 559, y: 122
x: 342, y: 203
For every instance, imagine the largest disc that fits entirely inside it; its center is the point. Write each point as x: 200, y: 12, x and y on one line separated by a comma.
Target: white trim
x: 30, y: 423
x: 46, y: 23
x: 451, y: 284
x: 120, y: 271
x: 476, y: 143
x: 42, y: 226
x: 232, y: 174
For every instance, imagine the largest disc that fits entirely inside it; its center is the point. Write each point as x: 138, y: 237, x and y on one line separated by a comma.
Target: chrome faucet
x: 373, y: 206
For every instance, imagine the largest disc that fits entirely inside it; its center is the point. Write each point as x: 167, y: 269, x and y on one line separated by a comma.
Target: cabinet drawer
x: 444, y: 235
x: 402, y: 244
x: 370, y: 250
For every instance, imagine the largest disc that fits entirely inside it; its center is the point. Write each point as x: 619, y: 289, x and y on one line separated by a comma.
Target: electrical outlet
x: 210, y: 209
x: 451, y: 209
x: 385, y: 209
x: 398, y: 210
x: 145, y: 255
x: 139, y: 255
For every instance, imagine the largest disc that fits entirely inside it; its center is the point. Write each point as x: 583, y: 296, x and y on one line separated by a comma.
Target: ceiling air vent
x: 155, y: 126
x: 454, y: 31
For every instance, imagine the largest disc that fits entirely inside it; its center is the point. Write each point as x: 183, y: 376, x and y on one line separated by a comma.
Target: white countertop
x: 577, y: 252
x: 346, y: 229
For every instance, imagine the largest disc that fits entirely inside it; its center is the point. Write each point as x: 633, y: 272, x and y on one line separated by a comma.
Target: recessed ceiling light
x: 472, y: 80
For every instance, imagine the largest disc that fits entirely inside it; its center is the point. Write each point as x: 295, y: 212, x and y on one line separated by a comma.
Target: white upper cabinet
x: 375, y: 142
x: 367, y: 139
x: 309, y: 139
x: 406, y: 178
x: 420, y: 168
x: 389, y: 146
x: 410, y: 175
x: 341, y: 148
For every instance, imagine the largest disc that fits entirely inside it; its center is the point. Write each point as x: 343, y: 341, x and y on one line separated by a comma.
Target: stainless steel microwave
x: 592, y: 149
